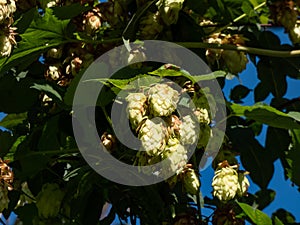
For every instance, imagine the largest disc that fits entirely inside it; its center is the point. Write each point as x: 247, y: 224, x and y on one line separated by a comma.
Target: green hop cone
x: 162, y: 100
x: 174, y: 156
x: 243, y: 184
x: 235, y: 61
x: 294, y: 34
x: 150, y: 26
x: 153, y: 136
x: 189, y: 130
x: 191, y: 182
x: 49, y: 200
x: 136, y: 108
x: 169, y: 10
x: 4, y: 200
x: 225, y: 183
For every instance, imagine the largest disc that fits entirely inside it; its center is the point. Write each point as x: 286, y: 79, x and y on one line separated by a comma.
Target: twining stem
x: 254, y: 51
x: 237, y: 19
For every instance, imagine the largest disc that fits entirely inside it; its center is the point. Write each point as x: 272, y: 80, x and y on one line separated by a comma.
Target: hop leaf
x: 49, y: 200
x: 4, y: 200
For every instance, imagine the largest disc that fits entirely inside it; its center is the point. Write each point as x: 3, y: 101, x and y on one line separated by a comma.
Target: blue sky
x: 287, y: 197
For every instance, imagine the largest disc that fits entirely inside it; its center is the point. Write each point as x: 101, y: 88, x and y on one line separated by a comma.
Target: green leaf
x: 264, y: 198
x: 271, y: 75
x: 239, y: 92
x: 277, y: 142
x: 266, y: 114
x: 293, y: 158
x: 255, y: 215
x: 49, y: 90
x: 26, y: 213
x: 261, y: 92
x: 43, y: 33
x: 295, y: 115
x: 176, y: 72
x: 12, y: 120
x: 285, y: 217
x: 16, y: 96
x: 277, y: 221
x: 254, y: 158
x: 6, y: 141
x: 69, y: 11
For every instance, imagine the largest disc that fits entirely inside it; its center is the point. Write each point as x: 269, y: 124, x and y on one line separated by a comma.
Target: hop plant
x: 191, y: 181
x: 150, y: 26
x: 4, y: 200
x: 234, y: 61
x: 136, y: 108
x: 162, y: 100
x: 49, y: 200
x: 169, y: 10
x: 188, y: 130
x: 153, y: 136
x: 225, y: 183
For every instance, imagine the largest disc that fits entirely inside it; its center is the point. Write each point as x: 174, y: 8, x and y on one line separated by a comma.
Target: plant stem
x: 237, y: 19
x: 254, y: 51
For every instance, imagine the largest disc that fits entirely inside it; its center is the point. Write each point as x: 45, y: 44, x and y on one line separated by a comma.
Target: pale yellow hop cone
x: 175, y: 157
x: 136, y: 108
x: 225, y: 183
x: 162, y: 100
x: 153, y: 136
x: 189, y: 130
x: 7, y: 8
x: 191, y: 181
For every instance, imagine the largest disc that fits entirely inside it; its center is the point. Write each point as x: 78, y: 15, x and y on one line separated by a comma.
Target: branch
x: 250, y: 50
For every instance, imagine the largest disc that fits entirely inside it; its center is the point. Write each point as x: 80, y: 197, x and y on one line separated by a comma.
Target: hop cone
x: 225, y: 183
x: 235, y: 61
x: 191, y: 182
x: 135, y: 108
x: 3, y: 196
x: 6, y: 44
x: 175, y: 157
x: 150, y: 26
x: 49, y: 200
x: 7, y: 8
x: 163, y: 100
x: 169, y: 10
x: 189, y: 130
x: 153, y: 136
